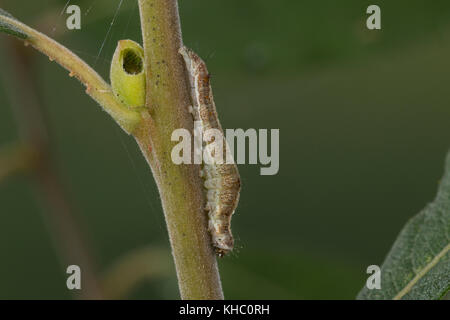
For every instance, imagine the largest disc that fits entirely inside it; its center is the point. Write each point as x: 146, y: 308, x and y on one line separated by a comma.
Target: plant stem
x: 59, y: 217
x: 135, y: 267
x: 14, y: 159
x: 96, y: 87
x: 180, y: 186
x: 167, y: 101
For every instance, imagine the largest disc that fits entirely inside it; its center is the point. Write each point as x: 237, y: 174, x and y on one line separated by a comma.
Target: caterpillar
x: 222, y: 182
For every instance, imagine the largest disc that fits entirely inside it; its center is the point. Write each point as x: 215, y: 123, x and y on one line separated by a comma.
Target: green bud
x: 128, y: 73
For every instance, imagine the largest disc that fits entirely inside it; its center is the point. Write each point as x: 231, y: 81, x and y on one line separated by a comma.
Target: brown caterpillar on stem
x: 221, y: 178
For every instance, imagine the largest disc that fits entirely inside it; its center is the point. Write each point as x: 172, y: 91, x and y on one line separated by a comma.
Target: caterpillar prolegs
x: 221, y: 179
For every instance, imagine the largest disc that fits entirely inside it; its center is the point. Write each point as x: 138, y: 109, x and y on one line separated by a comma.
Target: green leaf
x: 418, y: 265
x: 8, y: 28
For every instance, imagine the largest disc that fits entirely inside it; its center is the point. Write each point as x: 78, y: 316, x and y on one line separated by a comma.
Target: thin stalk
x: 167, y: 102
x: 14, y: 159
x: 61, y: 222
x: 135, y: 267
x: 96, y: 87
x: 180, y: 186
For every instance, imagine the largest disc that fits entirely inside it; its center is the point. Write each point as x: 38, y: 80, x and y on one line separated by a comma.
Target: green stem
x: 180, y: 186
x: 59, y: 217
x: 96, y: 87
x: 14, y: 159
x: 134, y: 268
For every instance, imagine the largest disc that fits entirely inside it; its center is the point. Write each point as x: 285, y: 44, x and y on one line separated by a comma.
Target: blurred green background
x: 364, y: 129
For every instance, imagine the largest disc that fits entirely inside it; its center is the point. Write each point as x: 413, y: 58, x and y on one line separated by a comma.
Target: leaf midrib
x: 422, y: 273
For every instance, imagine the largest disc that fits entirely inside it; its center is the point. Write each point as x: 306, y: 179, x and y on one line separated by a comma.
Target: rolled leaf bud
x: 128, y: 73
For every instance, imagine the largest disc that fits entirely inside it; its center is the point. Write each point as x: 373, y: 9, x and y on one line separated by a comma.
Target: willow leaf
x: 418, y: 265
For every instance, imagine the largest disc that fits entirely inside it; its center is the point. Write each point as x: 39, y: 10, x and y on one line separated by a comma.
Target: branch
x: 167, y: 101
x: 15, y: 159
x: 133, y: 268
x: 67, y: 236
x: 96, y: 87
x: 180, y: 186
